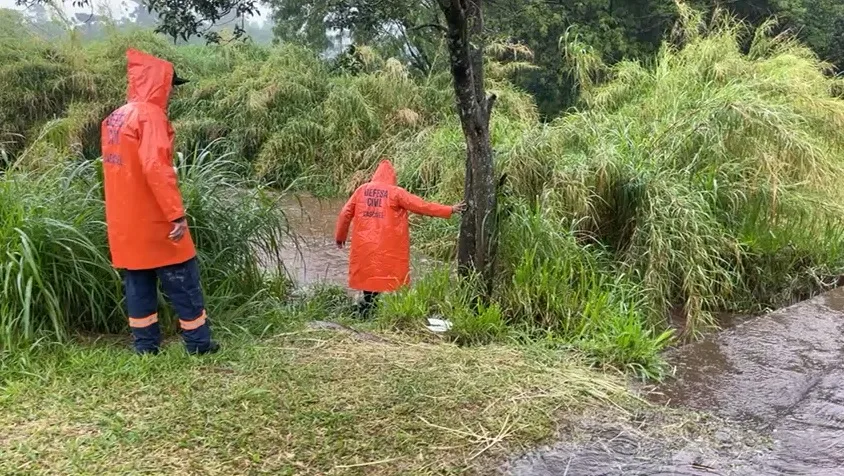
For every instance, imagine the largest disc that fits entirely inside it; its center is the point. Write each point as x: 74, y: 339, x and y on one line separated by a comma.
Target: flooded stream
x: 312, y: 257
x: 780, y: 376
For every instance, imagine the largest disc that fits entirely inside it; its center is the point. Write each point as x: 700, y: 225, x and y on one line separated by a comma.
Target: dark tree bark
x: 479, y: 228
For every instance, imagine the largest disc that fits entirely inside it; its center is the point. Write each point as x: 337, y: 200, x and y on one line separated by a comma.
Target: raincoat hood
x: 150, y: 78
x: 385, y: 173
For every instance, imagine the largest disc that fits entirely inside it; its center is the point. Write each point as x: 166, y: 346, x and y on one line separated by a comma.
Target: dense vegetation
x: 618, y: 30
x: 56, y: 276
x: 700, y: 182
x: 282, y: 108
x: 411, y: 30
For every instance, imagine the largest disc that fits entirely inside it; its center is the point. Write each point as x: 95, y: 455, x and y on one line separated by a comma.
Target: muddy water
x: 311, y: 256
x: 780, y: 376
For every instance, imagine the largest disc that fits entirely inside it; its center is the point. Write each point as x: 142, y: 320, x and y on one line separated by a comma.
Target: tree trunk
x: 478, y: 230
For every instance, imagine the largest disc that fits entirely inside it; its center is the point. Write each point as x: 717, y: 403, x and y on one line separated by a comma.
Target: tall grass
x: 553, y: 288
x: 56, y: 274
x: 733, y: 159
x: 708, y: 179
x: 57, y: 278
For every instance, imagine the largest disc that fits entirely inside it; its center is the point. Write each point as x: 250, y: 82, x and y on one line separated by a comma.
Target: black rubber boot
x: 212, y: 348
x: 362, y: 310
x: 367, y: 305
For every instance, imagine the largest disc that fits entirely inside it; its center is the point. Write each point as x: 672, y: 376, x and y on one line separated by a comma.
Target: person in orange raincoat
x: 148, y: 233
x: 380, y: 257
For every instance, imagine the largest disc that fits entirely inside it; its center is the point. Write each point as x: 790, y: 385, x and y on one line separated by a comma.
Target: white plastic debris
x: 180, y: 159
x: 438, y: 325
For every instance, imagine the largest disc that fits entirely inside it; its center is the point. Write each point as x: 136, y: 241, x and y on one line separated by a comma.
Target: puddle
x: 633, y: 451
x: 780, y: 375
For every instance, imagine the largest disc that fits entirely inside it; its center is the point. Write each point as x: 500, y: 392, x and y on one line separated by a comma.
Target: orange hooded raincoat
x: 142, y: 197
x: 380, y: 255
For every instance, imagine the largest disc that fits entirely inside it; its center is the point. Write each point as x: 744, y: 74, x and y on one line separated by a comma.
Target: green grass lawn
x: 304, y: 402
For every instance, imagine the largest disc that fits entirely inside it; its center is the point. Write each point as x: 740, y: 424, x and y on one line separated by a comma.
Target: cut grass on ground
x: 309, y: 402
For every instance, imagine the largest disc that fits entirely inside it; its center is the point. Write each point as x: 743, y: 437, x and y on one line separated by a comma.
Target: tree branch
x: 434, y: 26
x: 490, y: 103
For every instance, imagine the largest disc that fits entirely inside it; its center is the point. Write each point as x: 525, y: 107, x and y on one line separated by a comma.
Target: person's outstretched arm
x: 344, y: 220
x: 412, y: 203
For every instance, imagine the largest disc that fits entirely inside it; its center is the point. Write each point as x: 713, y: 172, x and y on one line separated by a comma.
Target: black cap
x: 177, y: 80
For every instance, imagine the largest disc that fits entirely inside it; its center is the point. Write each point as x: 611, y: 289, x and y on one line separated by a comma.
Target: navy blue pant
x: 180, y: 283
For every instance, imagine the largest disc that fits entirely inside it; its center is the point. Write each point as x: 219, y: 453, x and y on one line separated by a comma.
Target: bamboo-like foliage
x: 281, y: 109
x: 710, y: 175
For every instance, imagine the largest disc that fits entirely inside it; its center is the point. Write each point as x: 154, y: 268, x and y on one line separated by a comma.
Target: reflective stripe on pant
x: 182, y: 289
x: 146, y: 331
x: 196, y: 332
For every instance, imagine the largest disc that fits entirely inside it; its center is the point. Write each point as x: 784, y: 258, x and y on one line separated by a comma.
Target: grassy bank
x: 304, y: 402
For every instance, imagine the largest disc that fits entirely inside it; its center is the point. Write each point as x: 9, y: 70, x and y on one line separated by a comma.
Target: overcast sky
x: 116, y: 8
